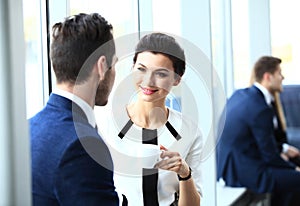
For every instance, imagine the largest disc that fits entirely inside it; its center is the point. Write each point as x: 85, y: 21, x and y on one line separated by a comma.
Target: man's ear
x: 177, y: 80
x: 267, y: 76
x: 102, y: 67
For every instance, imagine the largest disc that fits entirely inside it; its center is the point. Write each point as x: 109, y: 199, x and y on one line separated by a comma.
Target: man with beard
x: 71, y: 165
x: 247, y: 152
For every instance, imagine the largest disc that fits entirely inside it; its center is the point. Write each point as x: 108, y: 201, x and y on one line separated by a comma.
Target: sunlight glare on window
x: 285, y: 37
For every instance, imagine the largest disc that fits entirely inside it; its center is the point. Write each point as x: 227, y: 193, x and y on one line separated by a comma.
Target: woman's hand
x: 172, y: 161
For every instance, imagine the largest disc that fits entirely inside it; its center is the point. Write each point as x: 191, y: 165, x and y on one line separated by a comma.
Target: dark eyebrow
x: 160, y: 69
x: 142, y: 65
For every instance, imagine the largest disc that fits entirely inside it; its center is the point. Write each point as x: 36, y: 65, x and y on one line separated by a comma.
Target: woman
x: 159, y: 64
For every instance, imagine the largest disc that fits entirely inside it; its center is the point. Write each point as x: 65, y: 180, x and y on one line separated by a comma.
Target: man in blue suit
x: 71, y: 165
x: 247, y: 152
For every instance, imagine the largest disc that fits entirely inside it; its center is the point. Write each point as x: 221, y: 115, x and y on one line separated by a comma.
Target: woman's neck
x: 148, y: 114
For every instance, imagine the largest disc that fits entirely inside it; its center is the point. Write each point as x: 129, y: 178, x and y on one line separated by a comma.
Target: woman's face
x: 154, y: 76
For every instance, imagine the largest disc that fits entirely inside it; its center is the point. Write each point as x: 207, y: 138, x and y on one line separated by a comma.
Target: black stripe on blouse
x: 173, y: 131
x: 150, y: 176
x: 125, y: 129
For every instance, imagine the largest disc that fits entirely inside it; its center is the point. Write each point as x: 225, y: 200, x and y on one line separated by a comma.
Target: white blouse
x: 128, y: 157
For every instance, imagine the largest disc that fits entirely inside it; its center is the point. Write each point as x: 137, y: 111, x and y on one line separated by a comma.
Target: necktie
x: 279, y: 133
x: 276, y: 121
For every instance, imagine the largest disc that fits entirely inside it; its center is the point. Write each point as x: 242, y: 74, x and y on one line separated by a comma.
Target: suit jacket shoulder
x: 71, y: 165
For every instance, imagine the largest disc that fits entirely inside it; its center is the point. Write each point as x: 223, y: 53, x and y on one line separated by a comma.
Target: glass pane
x: 285, y: 37
x: 123, y: 15
x: 240, y: 43
x: 34, y: 68
x: 167, y: 21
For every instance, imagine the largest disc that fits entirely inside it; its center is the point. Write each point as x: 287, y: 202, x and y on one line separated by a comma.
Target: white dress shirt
x: 269, y: 98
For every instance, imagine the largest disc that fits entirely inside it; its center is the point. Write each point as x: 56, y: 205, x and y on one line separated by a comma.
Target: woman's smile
x: 148, y: 91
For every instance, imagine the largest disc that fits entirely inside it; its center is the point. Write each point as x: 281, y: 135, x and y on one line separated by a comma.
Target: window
x: 35, y: 85
x: 121, y: 14
x: 285, y: 37
x: 240, y: 43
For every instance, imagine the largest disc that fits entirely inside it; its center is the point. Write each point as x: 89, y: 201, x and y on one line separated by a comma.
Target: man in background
x: 247, y: 152
x: 288, y: 152
x: 71, y: 165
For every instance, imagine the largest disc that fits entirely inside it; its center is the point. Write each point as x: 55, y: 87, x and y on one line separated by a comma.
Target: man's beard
x: 104, y: 89
x: 101, y: 99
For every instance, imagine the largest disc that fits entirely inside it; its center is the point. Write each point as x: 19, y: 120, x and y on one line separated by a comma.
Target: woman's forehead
x: 154, y: 61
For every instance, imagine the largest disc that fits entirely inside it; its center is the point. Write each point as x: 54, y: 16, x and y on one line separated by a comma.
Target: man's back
x: 64, y: 173
x: 247, y: 150
x: 247, y: 154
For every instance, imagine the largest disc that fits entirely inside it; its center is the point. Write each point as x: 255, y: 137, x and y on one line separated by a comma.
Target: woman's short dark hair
x: 162, y: 44
x: 265, y: 64
x: 74, y: 40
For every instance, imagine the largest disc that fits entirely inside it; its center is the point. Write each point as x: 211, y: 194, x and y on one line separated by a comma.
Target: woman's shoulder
x: 184, y: 123
x: 181, y: 117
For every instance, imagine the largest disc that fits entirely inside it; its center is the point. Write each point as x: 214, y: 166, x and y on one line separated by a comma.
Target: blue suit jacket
x: 71, y: 165
x: 247, y: 151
